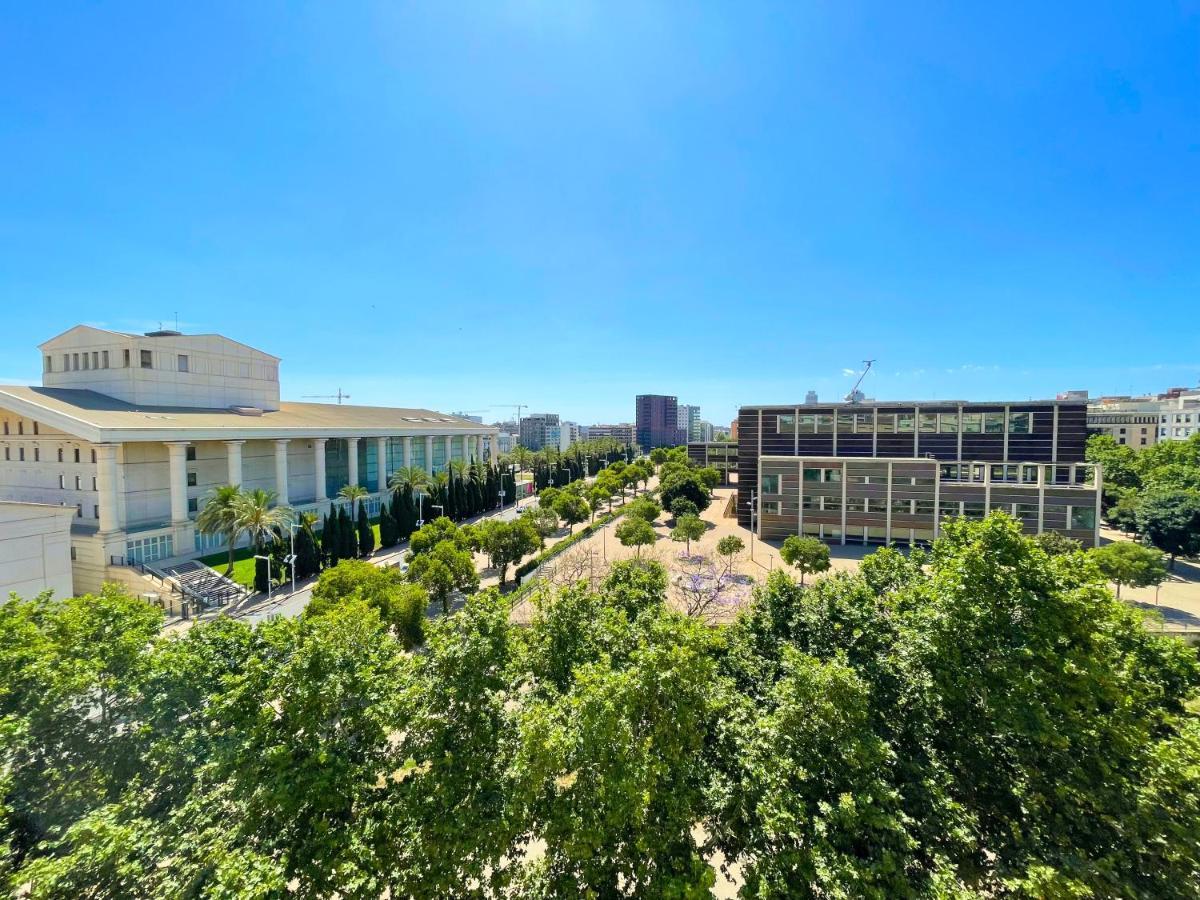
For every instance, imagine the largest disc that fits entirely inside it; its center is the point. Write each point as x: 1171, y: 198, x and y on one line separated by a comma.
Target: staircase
x: 203, y: 584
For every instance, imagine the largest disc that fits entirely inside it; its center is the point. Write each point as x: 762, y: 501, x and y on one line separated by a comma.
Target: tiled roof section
x: 100, y: 411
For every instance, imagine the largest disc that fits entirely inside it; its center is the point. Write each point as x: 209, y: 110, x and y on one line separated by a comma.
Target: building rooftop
x: 872, y: 404
x: 98, y: 418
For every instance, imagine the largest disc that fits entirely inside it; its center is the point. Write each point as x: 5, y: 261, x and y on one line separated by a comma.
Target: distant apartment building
x: 463, y: 415
x: 704, y: 432
x: 1146, y: 420
x: 733, y: 430
x: 541, y: 430
x: 891, y: 472
x: 622, y: 432
x: 688, y: 419
x: 657, y: 421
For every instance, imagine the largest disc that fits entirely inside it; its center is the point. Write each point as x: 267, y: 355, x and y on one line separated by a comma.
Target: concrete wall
x: 35, y: 550
x: 220, y: 372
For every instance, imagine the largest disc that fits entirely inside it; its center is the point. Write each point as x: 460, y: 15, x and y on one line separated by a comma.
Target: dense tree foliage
x: 983, y: 720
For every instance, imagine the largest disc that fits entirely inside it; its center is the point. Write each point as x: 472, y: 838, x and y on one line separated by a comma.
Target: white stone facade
x: 35, y: 550
x: 128, y: 455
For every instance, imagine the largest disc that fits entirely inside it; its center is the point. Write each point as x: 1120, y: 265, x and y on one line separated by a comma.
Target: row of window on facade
x: 905, y: 423
x: 99, y: 359
x: 1078, y: 517
x: 20, y: 427
x: 969, y: 473
x: 37, y: 454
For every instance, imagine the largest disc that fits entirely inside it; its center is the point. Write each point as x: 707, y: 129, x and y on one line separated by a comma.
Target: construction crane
x: 339, y: 396
x: 518, y: 407
x: 852, y: 397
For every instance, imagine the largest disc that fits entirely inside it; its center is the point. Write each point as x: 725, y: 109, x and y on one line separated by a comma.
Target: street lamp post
x: 291, y: 560
x: 268, y: 559
x: 753, y: 519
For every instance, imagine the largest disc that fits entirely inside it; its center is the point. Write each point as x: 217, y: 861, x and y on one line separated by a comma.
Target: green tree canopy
x: 636, y: 532
x: 1125, y: 563
x: 808, y: 555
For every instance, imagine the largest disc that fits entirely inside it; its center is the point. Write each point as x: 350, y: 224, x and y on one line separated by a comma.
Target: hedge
x: 546, y: 555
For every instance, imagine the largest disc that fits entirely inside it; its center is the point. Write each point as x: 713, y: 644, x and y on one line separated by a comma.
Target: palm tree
x: 410, y: 477
x: 458, y: 468
x: 353, y: 493
x: 258, y: 516
x: 219, y: 516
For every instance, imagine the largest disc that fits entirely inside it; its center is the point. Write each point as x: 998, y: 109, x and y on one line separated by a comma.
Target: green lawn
x: 243, y: 565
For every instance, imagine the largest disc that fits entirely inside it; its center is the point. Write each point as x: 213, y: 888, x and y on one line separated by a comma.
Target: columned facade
x: 429, y: 454
x: 319, y: 468
x: 408, y: 457
x: 352, y: 459
x: 106, y: 486
x: 446, y: 452
x: 281, y: 472
x: 381, y: 448
x: 177, y: 474
x: 234, y: 456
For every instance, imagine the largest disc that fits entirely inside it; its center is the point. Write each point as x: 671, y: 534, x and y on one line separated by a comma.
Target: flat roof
x: 874, y: 404
x: 99, y: 418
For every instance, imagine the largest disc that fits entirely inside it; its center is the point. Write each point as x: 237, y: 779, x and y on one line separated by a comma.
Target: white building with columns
x: 134, y: 432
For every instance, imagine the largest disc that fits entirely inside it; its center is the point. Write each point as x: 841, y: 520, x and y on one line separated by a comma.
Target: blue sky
x: 565, y: 204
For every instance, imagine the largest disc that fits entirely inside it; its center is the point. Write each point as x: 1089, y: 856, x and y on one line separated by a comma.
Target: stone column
x: 429, y: 454
x: 446, y: 443
x: 381, y: 447
x: 281, y: 471
x: 319, y: 467
x: 352, y: 458
x: 495, y: 448
x: 177, y: 469
x: 233, y: 451
x: 106, y: 488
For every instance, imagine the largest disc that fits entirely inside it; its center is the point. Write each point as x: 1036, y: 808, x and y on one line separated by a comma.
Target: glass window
x: 993, y: 423
x: 831, y: 475
x: 20, y: 454
x: 825, y: 423
x: 37, y: 454
x: 812, y: 474
x: 1083, y: 517
x: 856, y: 504
x: 78, y: 480
x: 876, y: 505
x: 104, y: 358
x: 66, y: 362
x: 831, y: 503
x: 1027, y: 511
x: 76, y: 454
x: 924, y: 507
x: 183, y: 362
x: 125, y: 358
x: 785, y: 424
x: 189, y: 454
x: 928, y: 423
x: 95, y: 359
x: 845, y: 423
x: 865, y: 422
x: 85, y: 362
x: 949, y: 472
x: 191, y: 479
x: 949, y: 508
x: 972, y: 423
x: 887, y: 423
x: 1029, y: 474
x: 973, y: 509
x: 805, y: 423
x: 147, y: 359
x: 904, y: 423
x: 193, y: 504
x: 1018, y: 423
x: 773, y: 508
x: 902, y: 507
x: 48, y: 365
x: 949, y: 423
x: 770, y: 484
x: 811, y: 502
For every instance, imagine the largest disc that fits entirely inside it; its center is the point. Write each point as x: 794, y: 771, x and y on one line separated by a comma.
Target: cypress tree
x: 366, y: 535
x: 387, y: 527
x: 307, y: 561
x: 331, y: 539
x: 347, y: 544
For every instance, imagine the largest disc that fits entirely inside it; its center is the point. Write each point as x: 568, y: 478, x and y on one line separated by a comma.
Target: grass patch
x: 243, y: 565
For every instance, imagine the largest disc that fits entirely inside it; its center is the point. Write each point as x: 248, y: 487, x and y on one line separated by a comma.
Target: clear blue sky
x: 565, y: 204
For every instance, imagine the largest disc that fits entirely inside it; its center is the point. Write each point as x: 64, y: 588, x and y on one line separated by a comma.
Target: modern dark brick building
x: 657, y: 422
x: 881, y: 472
x: 720, y: 455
